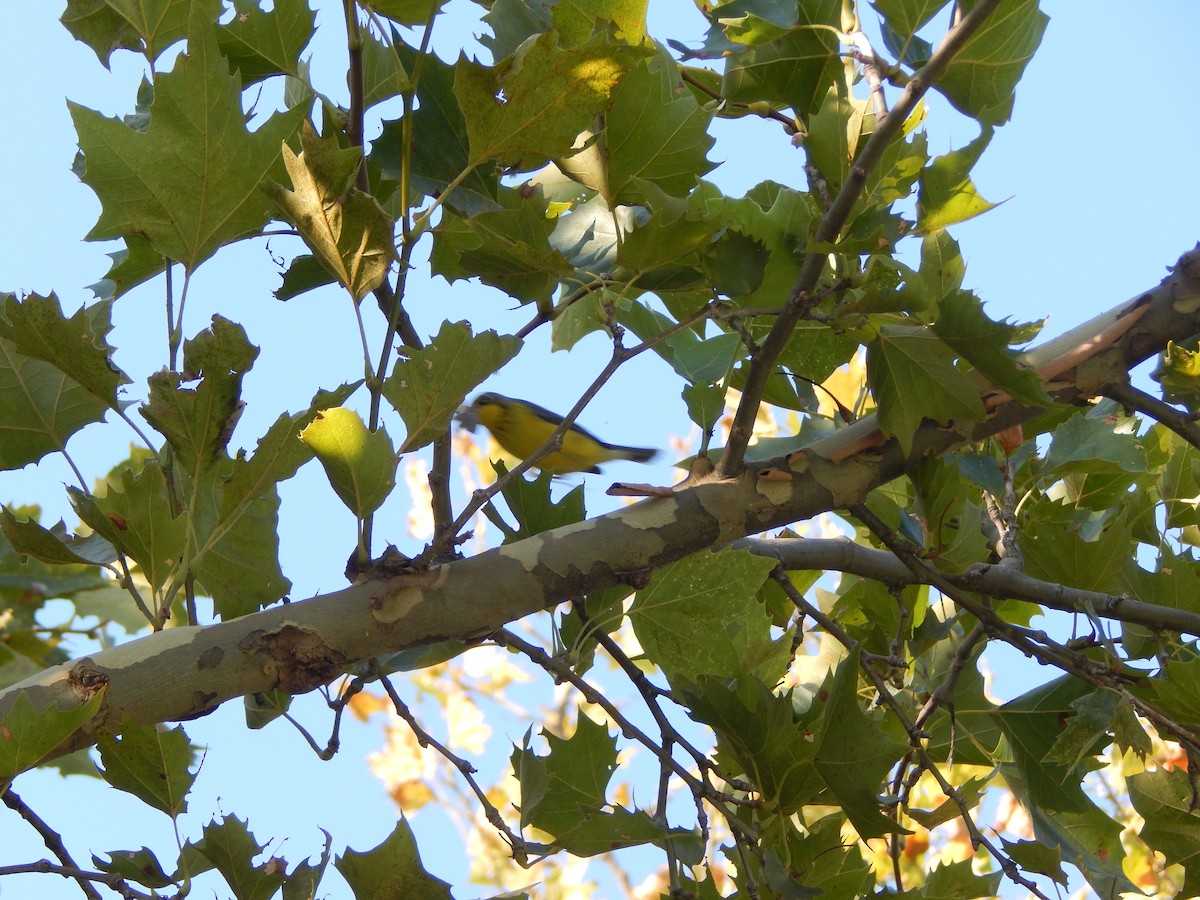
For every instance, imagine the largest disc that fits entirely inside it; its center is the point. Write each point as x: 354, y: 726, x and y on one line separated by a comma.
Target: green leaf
x: 429, y: 385
x: 346, y: 229
x: 110, y: 603
x: 676, y: 233
x: 580, y: 19
x: 913, y: 378
x: 392, y: 869
x: 1034, y: 856
x: 981, y: 80
x: 439, y: 151
x: 302, y: 883
x: 1062, y: 813
x: 963, y: 326
x: 507, y: 248
x: 549, y: 96
x: 136, y: 516
x: 701, y: 616
x: 907, y: 17
x: 1056, y: 552
x: 78, y: 347
x: 655, y: 131
x: 530, y: 504
x: 760, y: 736
x: 1164, y: 799
x: 97, y: 24
x: 1178, y: 371
x: 54, y: 546
x: 855, y: 753
x: 230, y: 848
x: 795, y: 68
x: 304, y: 273
x: 147, y: 25
x: 151, y: 762
x: 1090, y: 444
x: 406, y: 12
x: 188, y: 184
x: 952, y: 881
x: 42, y: 408
x: 563, y: 793
x: 198, y: 422
x: 139, y: 866
x: 705, y: 404
x: 26, y: 735
x: 360, y: 464
x: 236, y: 537
x: 383, y: 73
x: 136, y: 264
x: 947, y: 195
x: 260, y: 43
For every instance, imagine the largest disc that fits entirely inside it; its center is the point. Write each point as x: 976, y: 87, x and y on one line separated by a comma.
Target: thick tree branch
x: 182, y: 673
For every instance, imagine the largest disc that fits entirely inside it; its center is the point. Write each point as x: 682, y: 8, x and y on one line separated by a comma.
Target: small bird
x: 521, y: 428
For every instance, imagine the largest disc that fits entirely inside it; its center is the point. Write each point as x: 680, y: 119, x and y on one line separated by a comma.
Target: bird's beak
x: 467, y: 417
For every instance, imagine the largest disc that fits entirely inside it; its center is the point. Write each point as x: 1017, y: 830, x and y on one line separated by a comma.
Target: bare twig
x: 1178, y: 421
x: 53, y: 841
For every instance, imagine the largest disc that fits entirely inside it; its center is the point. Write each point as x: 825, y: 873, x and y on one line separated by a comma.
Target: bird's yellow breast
x: 521, y: 432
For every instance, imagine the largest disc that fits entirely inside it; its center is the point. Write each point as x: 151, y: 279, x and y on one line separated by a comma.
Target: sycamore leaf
x: 563, y: 793
x: 913, y: 378
x: 907, y: 17
x: 27, y: 735
x: 1172, y: 827
x: 1063, y: 815
x: 198, y: 422
x: 360, y: 464
x: 236, y: 542
x: 77, y: 347
x: 54, y: 546
x: 151, y: 762
x: 384, y: 76
x: 760, y: 736
x: 406, y: 12
x: 855, y: 753
x: 260, y: 43
x: 965, y: 328
x: 147, y: 25
x: 230, y: 848
x: 137, y: 517
x: 189, y: 183
x: 509, y: 248
x: 346, y: 229
x: 981, y: 80
x: 393, y: 869
x: 655, y: 131
x: 701, y: 616
x: 439, y: 151
x: 41, y: 408
x: 139, y: 866
x: 794, y: 67
x: 530, y: 108
x: 136, y: 264
x: 530, y: 504
x: 578, y: 20
x: 948, y: 195
x: 428, y: 386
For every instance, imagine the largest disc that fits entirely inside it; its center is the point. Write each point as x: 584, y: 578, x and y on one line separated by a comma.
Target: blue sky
x: 1100, y: 199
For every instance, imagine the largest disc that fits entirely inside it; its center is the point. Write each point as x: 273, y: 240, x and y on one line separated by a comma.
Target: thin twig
x: 1178, y: 421
x: 425, y: 739
x: 53, y: 841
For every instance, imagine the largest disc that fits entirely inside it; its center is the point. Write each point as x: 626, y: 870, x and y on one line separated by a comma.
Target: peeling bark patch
x: 210, y: 658
x: 392, y: 607
x: 86, y: 678
x: 297, y: 658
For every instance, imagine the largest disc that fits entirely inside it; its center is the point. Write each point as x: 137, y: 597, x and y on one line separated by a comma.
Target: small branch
x: 800, y: 299
x: 425, y: 739
x: 53, y: 841
x: 788, y: 123
x: 1178, y: 421
x: 874, y: 68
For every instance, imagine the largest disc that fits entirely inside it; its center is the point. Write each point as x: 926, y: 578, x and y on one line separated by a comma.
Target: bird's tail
x: 636, y: 454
